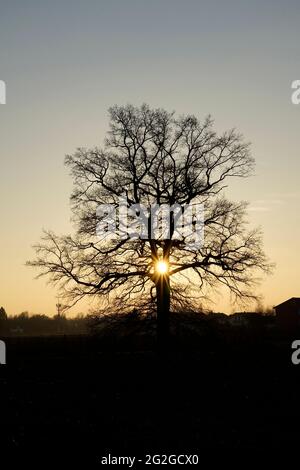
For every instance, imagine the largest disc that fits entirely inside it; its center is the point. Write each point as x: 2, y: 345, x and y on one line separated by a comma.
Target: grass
x: 218, y: 391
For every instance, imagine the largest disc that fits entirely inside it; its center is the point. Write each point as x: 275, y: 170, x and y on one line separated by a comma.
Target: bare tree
x: 155, y: 158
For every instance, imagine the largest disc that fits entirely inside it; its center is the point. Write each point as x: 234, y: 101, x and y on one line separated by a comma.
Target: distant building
x: 288, y: 313
x: 244, y: 318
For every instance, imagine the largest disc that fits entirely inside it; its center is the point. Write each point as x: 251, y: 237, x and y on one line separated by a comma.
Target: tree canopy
x: 153, y: 157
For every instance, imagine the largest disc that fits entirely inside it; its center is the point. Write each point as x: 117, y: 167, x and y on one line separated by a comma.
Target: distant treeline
x: 124, y: 324
x: 39, y: 325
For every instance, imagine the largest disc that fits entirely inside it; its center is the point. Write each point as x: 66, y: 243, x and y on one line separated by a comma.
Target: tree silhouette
x: 154, y: 158
x: 3, y: 314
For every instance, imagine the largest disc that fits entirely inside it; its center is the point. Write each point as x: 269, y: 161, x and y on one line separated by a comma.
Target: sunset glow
x: 162, y: 267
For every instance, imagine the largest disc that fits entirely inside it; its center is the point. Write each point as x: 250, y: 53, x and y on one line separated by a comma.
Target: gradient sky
x: 65, y: 62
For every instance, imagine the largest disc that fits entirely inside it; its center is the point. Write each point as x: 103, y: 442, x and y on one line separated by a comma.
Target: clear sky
x: 65, y: 62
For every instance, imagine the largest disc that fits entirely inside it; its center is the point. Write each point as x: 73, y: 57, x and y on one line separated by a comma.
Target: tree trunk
x: 163, y: 311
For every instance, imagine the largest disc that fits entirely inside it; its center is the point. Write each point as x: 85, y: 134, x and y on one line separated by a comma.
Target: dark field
x: 68, y: 398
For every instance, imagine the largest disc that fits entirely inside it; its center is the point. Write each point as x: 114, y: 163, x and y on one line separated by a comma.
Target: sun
x: 162, y: 267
